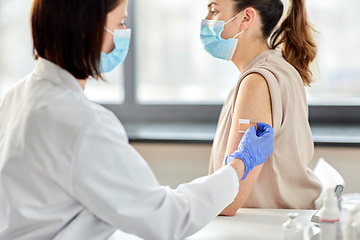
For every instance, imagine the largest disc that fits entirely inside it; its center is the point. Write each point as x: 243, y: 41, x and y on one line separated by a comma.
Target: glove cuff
x: 239, y: 155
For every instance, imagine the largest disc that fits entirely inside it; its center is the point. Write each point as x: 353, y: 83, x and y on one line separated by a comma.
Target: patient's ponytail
x: 295, y: 35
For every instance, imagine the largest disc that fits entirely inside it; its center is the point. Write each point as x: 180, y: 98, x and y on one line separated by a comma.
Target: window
x: 171, y: 65
x: 16, y: 59
x: 109, y: 92
x: 338, y: 78
x: 171, y: 68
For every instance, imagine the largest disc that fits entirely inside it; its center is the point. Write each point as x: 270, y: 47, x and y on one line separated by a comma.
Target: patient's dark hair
x: 295, y: 35
x: 70, y: 33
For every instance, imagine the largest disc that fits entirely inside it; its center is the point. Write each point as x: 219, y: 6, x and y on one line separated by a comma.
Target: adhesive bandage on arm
x: 244, y: 124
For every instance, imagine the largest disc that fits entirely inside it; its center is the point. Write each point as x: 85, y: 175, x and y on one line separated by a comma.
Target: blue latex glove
x: 255, y: 147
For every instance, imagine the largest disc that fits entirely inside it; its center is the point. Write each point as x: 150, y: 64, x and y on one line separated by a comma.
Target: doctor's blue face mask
x: 121, y: 39
x: 213, y: 43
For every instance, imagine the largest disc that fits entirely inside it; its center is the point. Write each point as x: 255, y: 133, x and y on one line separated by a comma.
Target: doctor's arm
x: 115, y: 183
x: 253, y: 102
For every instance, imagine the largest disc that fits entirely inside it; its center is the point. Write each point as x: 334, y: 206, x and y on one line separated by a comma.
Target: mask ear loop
x: 109, y: 31
x: 232, y: 18
x: 238, y: 33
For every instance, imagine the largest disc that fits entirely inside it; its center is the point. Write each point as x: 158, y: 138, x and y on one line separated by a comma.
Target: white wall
x: 346, y: 161
x: 174, y: 164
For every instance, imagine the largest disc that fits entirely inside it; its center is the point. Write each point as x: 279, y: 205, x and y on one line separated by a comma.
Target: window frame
x: 132, y: 112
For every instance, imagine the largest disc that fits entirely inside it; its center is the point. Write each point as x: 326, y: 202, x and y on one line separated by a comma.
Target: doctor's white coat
x: 68, y: 172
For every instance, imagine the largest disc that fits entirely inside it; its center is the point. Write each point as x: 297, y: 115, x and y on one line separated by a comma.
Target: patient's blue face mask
x: 122, y: 42
x: 213, y: 43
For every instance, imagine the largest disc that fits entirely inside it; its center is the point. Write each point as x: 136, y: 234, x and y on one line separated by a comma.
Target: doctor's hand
x: 255, y: 147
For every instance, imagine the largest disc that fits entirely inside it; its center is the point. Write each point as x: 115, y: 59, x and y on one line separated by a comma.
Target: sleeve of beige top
x: 116, y: 184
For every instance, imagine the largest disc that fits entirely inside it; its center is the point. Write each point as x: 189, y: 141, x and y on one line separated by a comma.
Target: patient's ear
x: 248, y: 18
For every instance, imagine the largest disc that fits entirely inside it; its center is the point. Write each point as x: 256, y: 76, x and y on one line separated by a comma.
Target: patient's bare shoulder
x: 253, y: 99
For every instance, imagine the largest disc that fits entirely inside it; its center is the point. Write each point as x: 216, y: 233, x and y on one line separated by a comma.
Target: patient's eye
x: 213, y: 11
x: 122, y: 24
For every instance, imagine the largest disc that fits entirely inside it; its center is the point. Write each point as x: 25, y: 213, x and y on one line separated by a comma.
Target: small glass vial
x: 329, y: 217
x: 355, y: 226
x: 292, y: 228
x: 347, y: 204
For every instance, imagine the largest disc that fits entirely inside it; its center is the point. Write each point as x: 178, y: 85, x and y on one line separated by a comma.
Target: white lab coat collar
x: 54, y: 73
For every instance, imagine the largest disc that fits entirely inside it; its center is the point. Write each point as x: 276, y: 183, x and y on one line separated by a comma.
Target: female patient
x: 271, y: 90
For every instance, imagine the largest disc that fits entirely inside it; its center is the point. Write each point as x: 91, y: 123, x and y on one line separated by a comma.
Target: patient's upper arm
x: 253, y: 102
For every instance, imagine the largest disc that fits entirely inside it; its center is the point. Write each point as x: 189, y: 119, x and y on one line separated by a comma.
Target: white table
x: 252, y: 224
x: 247, y: 224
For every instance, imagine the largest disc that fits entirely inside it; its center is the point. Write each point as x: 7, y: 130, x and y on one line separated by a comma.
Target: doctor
x: 67, y: 170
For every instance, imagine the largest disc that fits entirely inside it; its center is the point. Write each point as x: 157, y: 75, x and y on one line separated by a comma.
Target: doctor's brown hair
x: 70, y: 33
x: 294, y: 35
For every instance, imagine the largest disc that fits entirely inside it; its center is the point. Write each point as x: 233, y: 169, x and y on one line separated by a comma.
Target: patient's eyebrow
x: 209, y: 5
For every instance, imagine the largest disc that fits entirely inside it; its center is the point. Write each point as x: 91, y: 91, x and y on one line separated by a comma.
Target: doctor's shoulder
x: 104, y: 119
